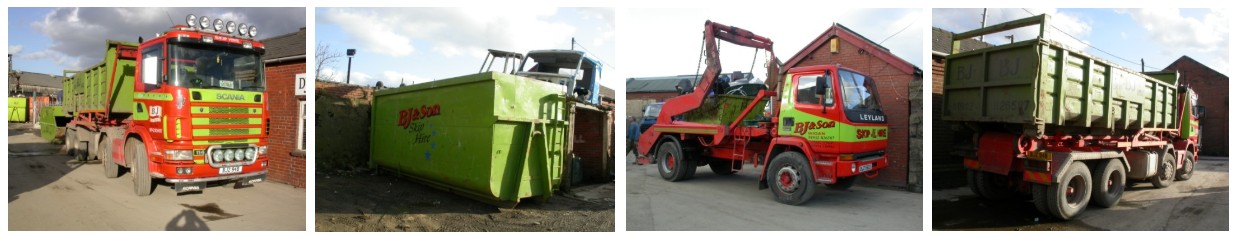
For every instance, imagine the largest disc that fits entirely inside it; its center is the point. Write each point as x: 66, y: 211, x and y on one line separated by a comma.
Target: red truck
x: 824, y: 125
x: 187, y: 106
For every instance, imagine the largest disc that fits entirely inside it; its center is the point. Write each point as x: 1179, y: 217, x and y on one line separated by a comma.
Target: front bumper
x: 828, y: 170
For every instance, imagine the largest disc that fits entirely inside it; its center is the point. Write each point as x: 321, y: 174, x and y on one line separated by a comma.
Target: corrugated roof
x: 38, y: 79
x: 287, y: 45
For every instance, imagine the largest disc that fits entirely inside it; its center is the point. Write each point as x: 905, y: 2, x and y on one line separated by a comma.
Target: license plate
x: 865, y: 168
x: 229, y: 170
x: 1039, y: 155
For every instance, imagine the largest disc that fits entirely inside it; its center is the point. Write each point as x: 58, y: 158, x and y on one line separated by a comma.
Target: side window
x: 152, y: 65
x: 806, y: 91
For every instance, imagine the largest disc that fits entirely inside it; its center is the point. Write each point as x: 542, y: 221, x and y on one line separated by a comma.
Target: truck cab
x: 200, y: 108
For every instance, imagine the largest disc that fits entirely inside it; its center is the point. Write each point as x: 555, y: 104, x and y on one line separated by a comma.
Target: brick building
x: 1212, y: 92
x: 947, y: 170
x: 893, y: 75
x: 285, y: 61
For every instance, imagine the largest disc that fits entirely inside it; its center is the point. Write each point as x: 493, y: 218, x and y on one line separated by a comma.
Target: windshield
x: 652, y: 111
x: 201, y: 66
x: 859, y: 91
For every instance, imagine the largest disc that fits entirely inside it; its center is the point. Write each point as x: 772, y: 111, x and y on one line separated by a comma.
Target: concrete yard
x: 48, y: 190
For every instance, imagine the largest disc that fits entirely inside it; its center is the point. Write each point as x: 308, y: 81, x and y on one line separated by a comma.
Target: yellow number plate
x: 1039, y: 155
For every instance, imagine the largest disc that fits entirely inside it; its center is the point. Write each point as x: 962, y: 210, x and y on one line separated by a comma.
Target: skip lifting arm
x: 712, y: 32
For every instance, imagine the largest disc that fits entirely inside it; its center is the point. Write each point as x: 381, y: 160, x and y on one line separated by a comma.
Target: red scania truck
x: 187, y: 106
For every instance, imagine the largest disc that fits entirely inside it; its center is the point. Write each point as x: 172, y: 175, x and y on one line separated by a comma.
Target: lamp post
x: 351, y: 52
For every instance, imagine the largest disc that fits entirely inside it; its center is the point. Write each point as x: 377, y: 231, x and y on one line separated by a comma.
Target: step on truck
x: 1066, y: 127
x: 186, y: 107
x: 824, y: 125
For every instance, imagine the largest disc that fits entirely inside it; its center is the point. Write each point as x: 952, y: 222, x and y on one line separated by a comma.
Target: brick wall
x: 342, y: 123
x: 946, y: 169
x: 287, y: 163
x: 1212, y: 92
x: 341, y: 90
x: 592, y: 143
x: 893, y: 86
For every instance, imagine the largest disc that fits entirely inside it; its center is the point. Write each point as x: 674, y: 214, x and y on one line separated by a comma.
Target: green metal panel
x: 473, y: 135
x: 47, y: 121
x: 17, y: 109
x: 1042, y: 85
x: 88, y: 90
x: 724, y: 109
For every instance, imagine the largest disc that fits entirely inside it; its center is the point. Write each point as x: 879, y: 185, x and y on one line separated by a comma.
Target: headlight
x: 178, y: 154
x: 205, y: 22
x: 191, y: 20
x: 251, y: 153
x: 229, y: 155
x: 231, y: 26
x: 218, y: 25
x: 261, y: 150
x: 252, y: 31
x: 217, y: 156
x: 244, y: 29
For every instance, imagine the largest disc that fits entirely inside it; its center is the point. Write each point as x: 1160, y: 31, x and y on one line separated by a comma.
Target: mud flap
x: 189, y: 187
x: 249, y: 181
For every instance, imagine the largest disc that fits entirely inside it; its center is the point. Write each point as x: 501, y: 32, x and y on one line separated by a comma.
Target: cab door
x: 811, y: 112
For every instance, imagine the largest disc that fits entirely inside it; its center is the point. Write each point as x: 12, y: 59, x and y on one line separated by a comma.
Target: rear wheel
x: 672, y: 163
x: 1040, y: 193
x: 724, y: 167
x: 1069, y: 196
x: 1167, y: 172
x: 135, y: 151
x: 790, y: 178
x: 843, y: 183
x: 993, y: 186
x: 972, y: 181
x: 1109, y: 184
x: 1186, y: 170
x: 110, y: 168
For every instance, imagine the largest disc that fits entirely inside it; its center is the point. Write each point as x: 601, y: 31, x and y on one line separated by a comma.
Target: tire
x: 724, y: 167
x: 1040, y: 193
x: 70, y: 142
x: 135, y: 150
x: 110, y: 168
x: 1186, y: 170
x: 78, y: 153
x: 972, y: 181
x: 1167, y: 172
x: 790, y: 177
x: 1108, y: 184
x: 992, y: 186
x: 1063, y: 204
x: 672, y: 165
x: 843, y: 183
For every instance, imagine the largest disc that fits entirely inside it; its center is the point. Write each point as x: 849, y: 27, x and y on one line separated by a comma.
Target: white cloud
x: 452, y: 32
x: 1179, y: 34
x: 15, y: 49
x: 77, y: 35
x: 1062, y: 27
x: 392, y: 78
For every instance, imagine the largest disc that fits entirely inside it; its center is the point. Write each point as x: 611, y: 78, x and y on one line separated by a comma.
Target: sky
x: 666, y: 41
x: 421, y: 44
x: 1159, y: 36
x: 51, y: 40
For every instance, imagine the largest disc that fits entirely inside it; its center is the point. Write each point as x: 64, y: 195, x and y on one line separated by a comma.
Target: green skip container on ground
x: 17, y: 109
x: 495, y: 137
x: 1049, y: 88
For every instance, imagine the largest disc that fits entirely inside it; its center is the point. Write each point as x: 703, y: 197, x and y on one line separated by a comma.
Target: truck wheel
x: 70, y: 142
x: 1069, y: 196
x: 993, y: 186
x: 1167, y: 172
x: 110, y: 168
x: 1040, y: 194
x: 972, y: 181
x: 724, y: 167
x: 843, y: 183
x: 791, y: 179
x: 1109, y: 184
x: 671, y: 164
x: 135, y: 151
x: 689, y: 164
x: 1186, y: 170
